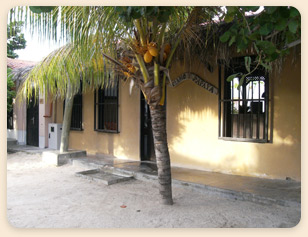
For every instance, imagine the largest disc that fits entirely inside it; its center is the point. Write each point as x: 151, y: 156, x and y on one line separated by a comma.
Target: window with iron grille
x: 106, y: 109
x: 243, y: 110
x: 76, y: 120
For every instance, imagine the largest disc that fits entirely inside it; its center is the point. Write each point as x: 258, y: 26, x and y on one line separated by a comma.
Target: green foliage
x: 231, y: 77
x: 225, y: 37
x: 261, y: 29
x: 293, y: 25
x: 269, y: 32
x: 43, y: 9
x: 247, y: 63
x: 15, y: 39
x: 133, y: 12
x: 10, y: 91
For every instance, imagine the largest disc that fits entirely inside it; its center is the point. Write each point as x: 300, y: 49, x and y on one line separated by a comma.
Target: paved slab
x: 102, y: 176
x: 259, y: 190
x: 26, y: 149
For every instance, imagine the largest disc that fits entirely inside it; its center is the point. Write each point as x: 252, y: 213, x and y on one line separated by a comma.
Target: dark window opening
x: 76, y: 120
x: 243, y: 110
x: 10, y: 120
x: 106, y: 109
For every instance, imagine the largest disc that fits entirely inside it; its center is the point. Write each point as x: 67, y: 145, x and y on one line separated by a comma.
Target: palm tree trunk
x: 67, y: 120
x: 158, y: 118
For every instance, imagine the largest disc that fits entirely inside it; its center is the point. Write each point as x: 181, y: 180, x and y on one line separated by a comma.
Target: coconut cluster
x: 148, y: 51
x: 127, y: 62
x: 152, y: 51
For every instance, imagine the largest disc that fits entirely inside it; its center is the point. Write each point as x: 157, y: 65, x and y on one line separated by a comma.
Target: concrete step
x: 106, y: 178
x: 11, y: 142
x: 57, y: 158
x: 85, y: 163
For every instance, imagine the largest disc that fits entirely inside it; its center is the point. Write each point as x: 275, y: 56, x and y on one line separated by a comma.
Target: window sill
x: 106, y: 131
x: 234, y: 139
x: 76, y: 129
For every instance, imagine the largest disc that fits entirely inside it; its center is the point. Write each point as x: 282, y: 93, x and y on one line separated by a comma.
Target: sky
x: 35, y: 50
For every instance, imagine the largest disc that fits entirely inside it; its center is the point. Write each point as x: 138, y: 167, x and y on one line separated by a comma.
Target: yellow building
x: 212, y: 125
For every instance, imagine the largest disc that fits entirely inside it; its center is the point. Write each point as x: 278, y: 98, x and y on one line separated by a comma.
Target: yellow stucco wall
x: 122, y: 145
x: 192, y: 128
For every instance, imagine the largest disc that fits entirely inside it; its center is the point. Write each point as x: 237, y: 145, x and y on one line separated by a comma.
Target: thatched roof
x: 17, y: 63
x: 20, y: 68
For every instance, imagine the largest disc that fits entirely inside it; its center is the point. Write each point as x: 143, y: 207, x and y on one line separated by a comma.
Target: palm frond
x: 69, y: 64
x: 94, y: 32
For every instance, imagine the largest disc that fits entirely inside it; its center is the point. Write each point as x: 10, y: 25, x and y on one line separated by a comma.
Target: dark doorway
x: 146, y: 136
x: 32, y: 122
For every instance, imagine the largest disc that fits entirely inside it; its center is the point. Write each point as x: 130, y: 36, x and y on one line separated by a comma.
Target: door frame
x: 145, y: 155
x: 36, y: 111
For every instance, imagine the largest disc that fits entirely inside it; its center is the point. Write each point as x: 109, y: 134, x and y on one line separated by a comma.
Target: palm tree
x: 135, y: 42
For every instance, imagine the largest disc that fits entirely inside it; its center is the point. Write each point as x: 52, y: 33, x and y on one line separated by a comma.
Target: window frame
x: 80, y: 113
x: 97, y: 108
x: 222, y: 114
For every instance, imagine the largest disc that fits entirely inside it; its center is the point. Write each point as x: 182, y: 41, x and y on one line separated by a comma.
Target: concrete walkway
x: 26, y: 148
x: 258, y: 190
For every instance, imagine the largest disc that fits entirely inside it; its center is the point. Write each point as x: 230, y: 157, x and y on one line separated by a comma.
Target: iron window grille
x: 76, y: 120
x: 106, y: 102
x: 243, y: 110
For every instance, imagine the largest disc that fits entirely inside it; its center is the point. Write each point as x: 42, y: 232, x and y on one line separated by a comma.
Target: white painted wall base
x: 11, y: 133
x: 19, y: 135
x: 42, y: 142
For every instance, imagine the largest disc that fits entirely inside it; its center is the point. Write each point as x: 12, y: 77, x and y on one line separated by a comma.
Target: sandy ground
x: 44, y: 196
